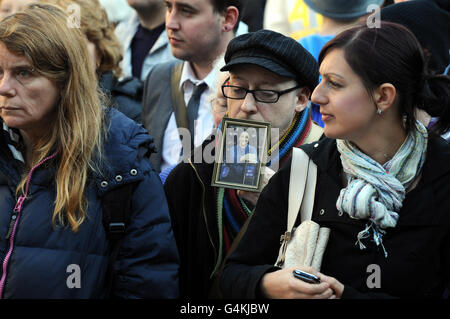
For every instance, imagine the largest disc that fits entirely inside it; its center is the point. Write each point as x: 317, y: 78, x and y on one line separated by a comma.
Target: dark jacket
x: 159, y: 101
x: 418, y: 262
x: 44, y: 257
x: 192, y: 206
x: 125, y: 95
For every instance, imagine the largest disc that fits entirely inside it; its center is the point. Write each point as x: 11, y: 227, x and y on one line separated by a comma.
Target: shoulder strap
x: 116, y: 210
x: 301, y: 196
x: 116, y: 205
x: 297, y: 184
x: 307, y: 204
x: 179, y: 106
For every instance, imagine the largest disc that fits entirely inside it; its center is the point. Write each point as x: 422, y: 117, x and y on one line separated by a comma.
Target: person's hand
x: 252, y: 197
x: 282, y: 284
x: 338, y: 288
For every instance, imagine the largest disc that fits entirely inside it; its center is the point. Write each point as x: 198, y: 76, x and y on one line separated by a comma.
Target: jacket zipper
x: 15, y: 221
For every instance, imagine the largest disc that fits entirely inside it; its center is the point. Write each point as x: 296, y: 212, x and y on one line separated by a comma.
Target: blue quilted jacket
x: 39, y: 260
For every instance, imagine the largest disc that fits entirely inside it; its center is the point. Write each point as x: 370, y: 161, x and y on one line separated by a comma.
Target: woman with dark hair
x: 382, y: 180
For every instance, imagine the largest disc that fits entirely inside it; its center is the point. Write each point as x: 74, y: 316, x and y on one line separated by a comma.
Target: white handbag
x: 306, y: 244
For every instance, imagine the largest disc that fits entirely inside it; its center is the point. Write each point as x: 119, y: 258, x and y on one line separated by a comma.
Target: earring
x: 379, y: 111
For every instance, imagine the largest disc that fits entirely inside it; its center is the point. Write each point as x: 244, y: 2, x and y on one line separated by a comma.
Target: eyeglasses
x: 265, y: 96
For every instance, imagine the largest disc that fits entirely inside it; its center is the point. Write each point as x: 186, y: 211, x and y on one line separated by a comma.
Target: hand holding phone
x: 306, y: 277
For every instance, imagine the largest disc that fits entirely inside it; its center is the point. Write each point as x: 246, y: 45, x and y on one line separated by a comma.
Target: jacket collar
x: 125, y: 150
x: 437, y: 159
x: 323, y: 153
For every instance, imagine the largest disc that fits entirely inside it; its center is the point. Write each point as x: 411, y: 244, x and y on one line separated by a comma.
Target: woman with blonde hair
x: 105, y: 52
x: 61, y: 153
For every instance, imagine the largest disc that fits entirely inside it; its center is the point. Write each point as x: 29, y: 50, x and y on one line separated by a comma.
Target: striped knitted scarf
x: 376, y: 192
x: 230, y: 206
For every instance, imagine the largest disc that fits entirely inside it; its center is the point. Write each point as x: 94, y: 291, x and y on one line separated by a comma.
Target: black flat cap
x: 275, y: 52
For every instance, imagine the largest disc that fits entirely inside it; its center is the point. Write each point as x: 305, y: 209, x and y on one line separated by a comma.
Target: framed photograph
x: 240, y: 154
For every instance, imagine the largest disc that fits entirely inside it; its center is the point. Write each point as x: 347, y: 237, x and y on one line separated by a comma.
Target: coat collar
x: 324, y: 154
x: 437, y: 162
x: 126, y: 147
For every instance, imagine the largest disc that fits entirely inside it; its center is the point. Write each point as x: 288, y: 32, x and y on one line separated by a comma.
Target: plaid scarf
x: 376, y: 192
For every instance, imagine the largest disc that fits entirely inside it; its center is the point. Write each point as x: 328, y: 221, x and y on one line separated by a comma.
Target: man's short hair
x: 222, y: 5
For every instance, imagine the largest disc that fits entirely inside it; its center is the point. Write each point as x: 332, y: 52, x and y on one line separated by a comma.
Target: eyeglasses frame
x: 279, y: 93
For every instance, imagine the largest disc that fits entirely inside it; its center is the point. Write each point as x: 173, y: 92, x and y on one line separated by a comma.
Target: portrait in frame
x: 241, y: 153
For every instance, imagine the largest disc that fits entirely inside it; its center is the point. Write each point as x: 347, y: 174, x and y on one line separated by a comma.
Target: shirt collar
x: 188, y: 76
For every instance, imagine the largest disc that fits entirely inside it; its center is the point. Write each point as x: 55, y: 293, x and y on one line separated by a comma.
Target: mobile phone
x: 306, y: 277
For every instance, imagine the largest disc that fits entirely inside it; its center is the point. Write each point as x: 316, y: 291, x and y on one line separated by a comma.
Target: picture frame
x: 240, y: 154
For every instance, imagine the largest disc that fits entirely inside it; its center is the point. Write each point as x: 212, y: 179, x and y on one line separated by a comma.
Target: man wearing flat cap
x: 271, y: 79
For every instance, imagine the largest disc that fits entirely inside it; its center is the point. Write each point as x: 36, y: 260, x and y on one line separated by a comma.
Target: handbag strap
x: 305, y: 172
x: 307, y: 204
x: 302, y: 187
x: 297, y: 184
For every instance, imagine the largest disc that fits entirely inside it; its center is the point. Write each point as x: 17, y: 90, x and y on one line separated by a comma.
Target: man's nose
x: 249, y: 104
x: 172, y: 20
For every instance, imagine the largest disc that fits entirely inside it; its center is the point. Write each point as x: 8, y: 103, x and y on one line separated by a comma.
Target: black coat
x: 193, y: 214
x: 418, y: 262
x: 125, y: 95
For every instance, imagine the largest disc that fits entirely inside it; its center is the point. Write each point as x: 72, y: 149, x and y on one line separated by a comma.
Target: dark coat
x: 418, y: 262
x: 192, y: 207
x: 42, y: 255
x: 125, y: 95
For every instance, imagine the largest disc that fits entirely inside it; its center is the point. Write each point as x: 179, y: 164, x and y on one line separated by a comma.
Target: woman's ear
x: 302, y: 99
x: 384, y: 96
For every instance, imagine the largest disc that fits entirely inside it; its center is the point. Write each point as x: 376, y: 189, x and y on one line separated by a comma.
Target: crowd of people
x: 112, y: 123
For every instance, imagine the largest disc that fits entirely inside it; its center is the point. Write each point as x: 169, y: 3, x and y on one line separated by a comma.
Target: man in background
x: 144, y: 38
x: 176, y: 93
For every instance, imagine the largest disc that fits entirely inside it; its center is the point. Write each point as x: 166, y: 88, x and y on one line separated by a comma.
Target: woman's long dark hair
x: 392, y: 54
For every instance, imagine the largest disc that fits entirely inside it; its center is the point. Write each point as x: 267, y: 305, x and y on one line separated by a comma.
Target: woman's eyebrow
x: 332, y: 74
